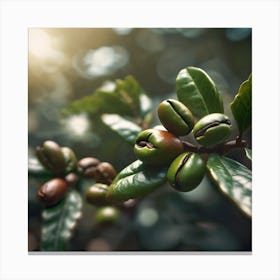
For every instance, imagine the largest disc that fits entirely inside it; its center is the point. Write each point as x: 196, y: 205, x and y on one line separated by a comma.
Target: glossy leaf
x: 198, y: 92
x: 104, y: 100
x: 126, y: 129
x: 120, y: 97
x: 59, y: 222
x: 233, y: 179
x: 136, y: 180
x: 248, y: 153
x: 241, y: 106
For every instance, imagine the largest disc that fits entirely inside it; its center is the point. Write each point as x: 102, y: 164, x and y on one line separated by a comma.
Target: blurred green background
x: 66, y: 64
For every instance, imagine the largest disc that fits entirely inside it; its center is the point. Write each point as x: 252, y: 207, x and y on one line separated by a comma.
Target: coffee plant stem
x: 219, y: 149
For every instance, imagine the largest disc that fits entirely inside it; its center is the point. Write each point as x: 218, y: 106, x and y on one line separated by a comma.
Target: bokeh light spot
x: 103, y: 61
x: 78, y: 124
x: 123, y: 31
x: 148, y: 217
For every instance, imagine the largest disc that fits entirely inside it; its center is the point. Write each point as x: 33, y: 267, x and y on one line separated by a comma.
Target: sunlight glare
x: 40, y: 43
x: 78, y: 124
x: 148, y: 217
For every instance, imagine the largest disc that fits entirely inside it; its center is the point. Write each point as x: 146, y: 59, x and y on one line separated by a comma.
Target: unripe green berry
x: 107, y: 214
x: 96, y: 194
x: 212, y: 129
x: 70, y: 159
x: 157, y: 147
x: 51, y: 157
x: 186, y: 172
x: 175, y: 117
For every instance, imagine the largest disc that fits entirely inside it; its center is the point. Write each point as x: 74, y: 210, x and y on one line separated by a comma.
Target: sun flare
x: 40, y: 43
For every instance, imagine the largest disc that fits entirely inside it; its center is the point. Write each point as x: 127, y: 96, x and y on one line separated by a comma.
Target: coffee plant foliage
x: 161, y: 156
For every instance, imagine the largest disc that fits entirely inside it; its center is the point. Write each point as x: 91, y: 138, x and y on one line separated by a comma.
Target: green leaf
x: 59, y: 222
x: 136, y: 180
x: 120, y: 97
x: 104, y: 100
x: 233, y: 179
x: 241, y: 106
x: 126, y: 129
x: 198, y: 92
x: 248, y: 153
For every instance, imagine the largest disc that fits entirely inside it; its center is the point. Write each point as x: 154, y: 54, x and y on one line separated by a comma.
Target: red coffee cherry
x: 52, y: 191
x: 157, y: 147
x: 87, y: 166
x: 105, y: 173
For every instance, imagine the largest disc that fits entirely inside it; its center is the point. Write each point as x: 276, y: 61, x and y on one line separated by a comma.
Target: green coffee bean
x: 70, y: 159
x: 107, y: 215
x: 96, y: 194
x: 212, y: 129
x: 157, y: 146
x: 51, y: 157
x: 186, y: 172
x: 175, y: 117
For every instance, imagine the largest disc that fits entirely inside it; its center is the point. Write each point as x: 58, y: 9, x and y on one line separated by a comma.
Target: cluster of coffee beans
x: 66, y: 169
x: 164, y: 147
x: 152, y: 147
